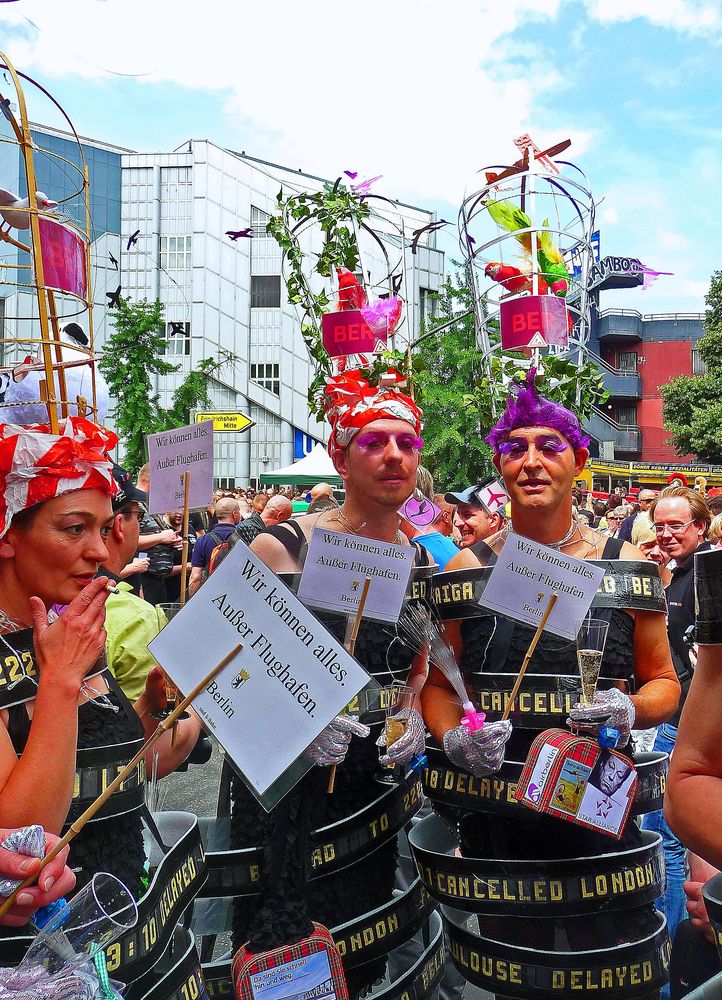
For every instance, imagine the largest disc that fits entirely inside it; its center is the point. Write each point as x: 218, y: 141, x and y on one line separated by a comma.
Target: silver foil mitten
x: 611, y: 708
x: 331, y: 745
x: 28, y: 840
x: 406, y: 747
x: 480, y: 751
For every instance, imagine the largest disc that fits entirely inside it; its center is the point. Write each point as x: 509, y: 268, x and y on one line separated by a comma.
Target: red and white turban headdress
x: 37, y: 465
x: 351, y: 402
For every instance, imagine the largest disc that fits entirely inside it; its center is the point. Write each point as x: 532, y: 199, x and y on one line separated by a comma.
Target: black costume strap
x: 634, y: 969
x: 627, y: 585
x: 294, y: 540
x: 448, y: 785
x: 543, y: 702
x: 332, y: 847
x: 614, y: 880
x: 178, y: 975
x: 19, y: 670
x: 176, y: 881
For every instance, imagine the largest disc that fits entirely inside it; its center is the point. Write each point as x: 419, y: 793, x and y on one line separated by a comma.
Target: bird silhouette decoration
x: 238, y: 234
x: 132, y: 240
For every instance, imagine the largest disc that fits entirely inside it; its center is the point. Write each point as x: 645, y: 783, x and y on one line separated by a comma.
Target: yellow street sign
x: 226, y: 420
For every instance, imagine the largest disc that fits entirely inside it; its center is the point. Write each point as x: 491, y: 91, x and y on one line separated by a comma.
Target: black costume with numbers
x: 114, y: 844
x: 369, y: 882
x: 495, y: 645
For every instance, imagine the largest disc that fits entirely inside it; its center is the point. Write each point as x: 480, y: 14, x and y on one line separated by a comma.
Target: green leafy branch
x: 340, y: 214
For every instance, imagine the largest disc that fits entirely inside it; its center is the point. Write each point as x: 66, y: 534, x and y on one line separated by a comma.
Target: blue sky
x: 423, y: 92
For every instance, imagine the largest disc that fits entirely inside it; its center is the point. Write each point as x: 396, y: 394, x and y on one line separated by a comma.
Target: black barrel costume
x: 368, y: 881
x: 557, y: 909
x: 109, y: 735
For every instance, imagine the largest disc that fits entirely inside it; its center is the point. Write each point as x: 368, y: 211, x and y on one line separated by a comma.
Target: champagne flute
x: 591, y: 639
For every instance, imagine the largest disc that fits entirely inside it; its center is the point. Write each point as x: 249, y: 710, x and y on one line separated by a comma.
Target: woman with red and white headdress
x: 56, y: 697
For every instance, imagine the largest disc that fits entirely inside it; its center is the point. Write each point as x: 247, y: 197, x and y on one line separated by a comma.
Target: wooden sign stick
x: 184, y: 572
x: 92, y: 809
x: 351, y: 646
x: 529, y: 654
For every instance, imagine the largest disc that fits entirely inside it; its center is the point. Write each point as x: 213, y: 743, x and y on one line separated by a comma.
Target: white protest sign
x: 287, y: 683
x: 526, y: 575
x: 337, y: 565
x: 170, y: 455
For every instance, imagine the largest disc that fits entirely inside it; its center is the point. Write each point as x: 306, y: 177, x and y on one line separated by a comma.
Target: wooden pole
x: 351, y: 646
x: 529, y: 654
x: 92, y: 809
x: 186, y: 477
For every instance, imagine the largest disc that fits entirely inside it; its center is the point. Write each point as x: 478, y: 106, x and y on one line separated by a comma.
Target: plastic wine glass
x: 94, y: 918
x: 591, y: 639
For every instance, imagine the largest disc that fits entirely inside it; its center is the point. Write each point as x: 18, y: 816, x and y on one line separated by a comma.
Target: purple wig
x: 529, y: 409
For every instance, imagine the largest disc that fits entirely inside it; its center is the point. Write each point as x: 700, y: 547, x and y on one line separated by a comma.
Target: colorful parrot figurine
x: 513, y: 279
x: 551, y: 263
x: 509, y: 217
x: 350, y: 293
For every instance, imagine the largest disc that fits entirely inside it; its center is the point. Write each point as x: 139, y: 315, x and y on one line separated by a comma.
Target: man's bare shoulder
x: 465, y: 559
x: 274, y: 553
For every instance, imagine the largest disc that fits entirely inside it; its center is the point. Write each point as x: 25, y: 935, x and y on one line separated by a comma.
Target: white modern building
x: 230, y: 295
x: 222, y: 295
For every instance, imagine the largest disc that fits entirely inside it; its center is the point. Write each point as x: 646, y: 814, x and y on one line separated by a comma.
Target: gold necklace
x: 340, y: 516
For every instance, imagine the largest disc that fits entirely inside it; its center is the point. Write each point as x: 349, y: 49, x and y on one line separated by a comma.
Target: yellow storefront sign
x: 226, y: 420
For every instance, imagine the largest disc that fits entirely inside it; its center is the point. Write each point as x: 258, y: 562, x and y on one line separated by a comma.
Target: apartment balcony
x: 627, y: 440
x: 620, y: 383
x: 620, y: 325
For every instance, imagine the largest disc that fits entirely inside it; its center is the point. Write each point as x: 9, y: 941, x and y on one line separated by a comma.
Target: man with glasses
x: 644, y: 499
x: 680, y: 518
x: 614, y: 520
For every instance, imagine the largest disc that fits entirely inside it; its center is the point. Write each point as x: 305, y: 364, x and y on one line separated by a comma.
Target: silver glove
x: 331, y: 744
x: 481, y: 751
x: 406, y: 747
x: 610, y: 708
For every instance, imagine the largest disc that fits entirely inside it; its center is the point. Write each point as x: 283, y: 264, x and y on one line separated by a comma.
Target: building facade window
x: 259, y: 220
x: 225, y: 483
x: 698, y: 364
x: 175, y: 253
x: 268, y: 376
x: 428, y: 301
x: 627, y: 361
x: 178, y: 338
x: 627, y: 416
x: 265, y: 291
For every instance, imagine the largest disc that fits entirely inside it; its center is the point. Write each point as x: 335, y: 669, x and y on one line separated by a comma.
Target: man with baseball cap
x: 480, y: 512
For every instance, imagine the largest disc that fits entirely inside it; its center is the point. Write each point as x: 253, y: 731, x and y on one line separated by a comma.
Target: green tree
x: 132, y: 356
x: 446, y: 366
x: 692, y: 404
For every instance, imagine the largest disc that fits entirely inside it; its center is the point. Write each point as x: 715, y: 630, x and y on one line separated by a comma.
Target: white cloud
x: 688, y: 16
x: 390, y: 87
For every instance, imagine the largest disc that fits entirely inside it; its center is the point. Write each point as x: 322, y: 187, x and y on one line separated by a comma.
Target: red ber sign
x: 347, y: 332
x: 534, y: 321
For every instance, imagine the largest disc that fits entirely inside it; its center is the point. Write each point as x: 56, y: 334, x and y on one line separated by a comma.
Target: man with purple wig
x: 539, y: 451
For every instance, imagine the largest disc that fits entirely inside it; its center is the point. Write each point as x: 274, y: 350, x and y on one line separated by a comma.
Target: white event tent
x: 316, y: 467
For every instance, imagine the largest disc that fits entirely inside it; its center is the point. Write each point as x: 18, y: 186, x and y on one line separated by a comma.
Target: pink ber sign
x: 347, y: 332
x: 534, y: 321
x: 63, y: 255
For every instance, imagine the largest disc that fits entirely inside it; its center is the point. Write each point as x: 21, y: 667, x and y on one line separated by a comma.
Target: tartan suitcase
x: 311, y: 969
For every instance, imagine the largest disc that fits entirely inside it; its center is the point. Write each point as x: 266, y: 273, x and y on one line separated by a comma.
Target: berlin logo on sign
x: 534, y: 321
x: 347, y: 332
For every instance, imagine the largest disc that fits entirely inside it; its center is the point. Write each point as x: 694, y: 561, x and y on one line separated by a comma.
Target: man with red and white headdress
x: 375, y: 447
